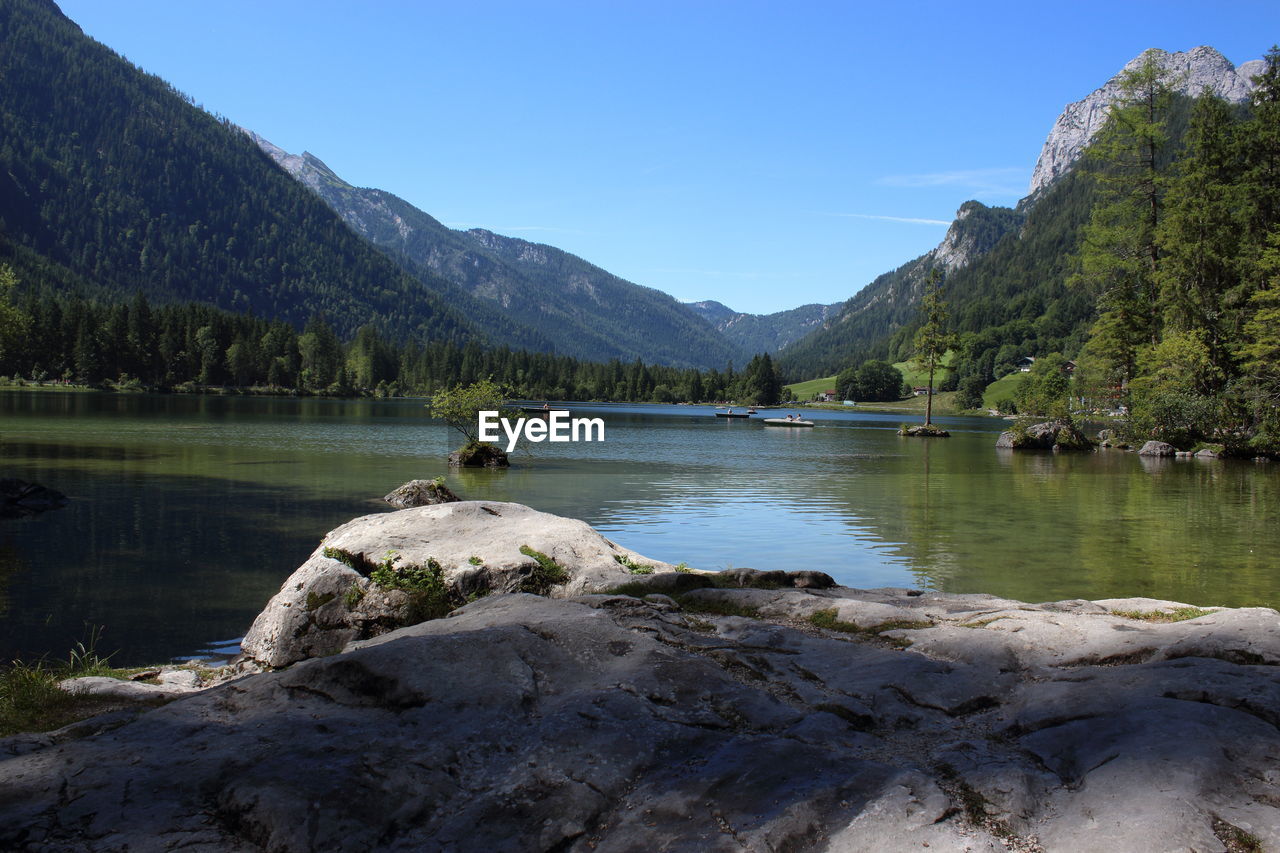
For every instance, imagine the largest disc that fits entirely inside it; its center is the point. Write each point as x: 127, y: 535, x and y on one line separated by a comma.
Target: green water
x: 187, y: 513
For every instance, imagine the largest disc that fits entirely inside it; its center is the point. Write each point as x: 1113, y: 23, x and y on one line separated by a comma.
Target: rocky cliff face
x: 974, y: 232
x: 1191, y: 71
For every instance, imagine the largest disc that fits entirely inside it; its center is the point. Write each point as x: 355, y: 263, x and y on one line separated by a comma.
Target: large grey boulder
x: 1049, y: 435
x: 611, y: 723
x: 330, y: 600
x: 1157, y: 448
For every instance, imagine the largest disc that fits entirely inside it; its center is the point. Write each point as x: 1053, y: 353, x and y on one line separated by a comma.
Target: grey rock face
x: 1157, y: 448
x: 612, y: 723
x: 1191, y: 71
x: 828, y: 719
x: 326, y: 604
x: 421, y: 493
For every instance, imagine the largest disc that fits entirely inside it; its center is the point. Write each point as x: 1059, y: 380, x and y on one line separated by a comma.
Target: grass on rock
x: 1180, y: 614
x: 32, y: 701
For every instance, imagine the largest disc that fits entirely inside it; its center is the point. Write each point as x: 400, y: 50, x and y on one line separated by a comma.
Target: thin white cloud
x: 1005, y: 181
x: 913, y: 220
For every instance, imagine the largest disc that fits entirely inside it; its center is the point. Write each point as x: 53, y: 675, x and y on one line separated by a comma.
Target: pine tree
x: 1120, y: 255
x: 933, y: 338
x: 1258, y: 347
x: 1199, y: 237
x: 1261, y: 146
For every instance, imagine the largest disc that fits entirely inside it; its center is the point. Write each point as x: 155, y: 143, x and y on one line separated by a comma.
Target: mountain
x: 113, y: 183
x: 588, y: 312
x: 889, y: 302
x: 1191, y: 71
x: 769, y: 333
x: 1007, y: 268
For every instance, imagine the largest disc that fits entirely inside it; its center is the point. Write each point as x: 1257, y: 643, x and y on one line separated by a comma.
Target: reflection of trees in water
x: 1038, y: 526
x: 10, y: 565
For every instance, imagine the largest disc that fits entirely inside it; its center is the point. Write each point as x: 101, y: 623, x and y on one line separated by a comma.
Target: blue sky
x: 765, y: 155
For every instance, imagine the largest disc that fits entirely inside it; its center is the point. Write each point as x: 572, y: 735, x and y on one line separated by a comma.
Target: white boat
x: 786, y: 423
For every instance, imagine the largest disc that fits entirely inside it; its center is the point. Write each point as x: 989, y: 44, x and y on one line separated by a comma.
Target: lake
x: 186, y: 513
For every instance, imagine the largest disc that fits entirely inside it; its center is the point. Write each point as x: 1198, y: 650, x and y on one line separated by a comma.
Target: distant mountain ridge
x: 586, y: 311
x: 771, y: 333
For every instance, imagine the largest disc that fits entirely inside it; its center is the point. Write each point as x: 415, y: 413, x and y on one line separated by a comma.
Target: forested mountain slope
x: 586, y: 311
x: 1009, y: 288
x: 865, y: 323
x: 113, y: 183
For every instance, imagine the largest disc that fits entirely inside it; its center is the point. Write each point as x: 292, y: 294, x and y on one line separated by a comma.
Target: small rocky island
x: 579, y: 696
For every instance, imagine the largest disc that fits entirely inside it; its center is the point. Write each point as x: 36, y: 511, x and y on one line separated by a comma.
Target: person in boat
x: 546, y: 406
x: 731, y: 410
x: 788, y: 417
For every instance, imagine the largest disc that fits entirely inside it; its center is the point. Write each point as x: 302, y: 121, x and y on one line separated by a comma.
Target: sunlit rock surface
x: 700, y: 719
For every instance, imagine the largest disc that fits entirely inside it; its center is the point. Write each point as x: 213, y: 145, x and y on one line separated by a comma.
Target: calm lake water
x: 187, y: 513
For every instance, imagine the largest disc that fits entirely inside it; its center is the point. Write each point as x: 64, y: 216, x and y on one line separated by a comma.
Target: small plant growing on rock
x: 632, y: 566
x: 1236, y: 839
x: 547, y: 574
x: 828, y: 620
x: 410, y: 577
x: 429, y: 595
x: 475, y: 561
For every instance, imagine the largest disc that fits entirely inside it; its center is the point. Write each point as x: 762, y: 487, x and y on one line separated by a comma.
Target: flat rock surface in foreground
x: 615, y: 723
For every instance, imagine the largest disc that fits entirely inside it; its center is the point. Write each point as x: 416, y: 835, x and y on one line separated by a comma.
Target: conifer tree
x: 1120, y: 253
x: 933, y: 338
x: 1199, y: 236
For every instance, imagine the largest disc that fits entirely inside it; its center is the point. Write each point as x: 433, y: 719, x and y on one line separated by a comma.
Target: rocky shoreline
x: 640, y: 706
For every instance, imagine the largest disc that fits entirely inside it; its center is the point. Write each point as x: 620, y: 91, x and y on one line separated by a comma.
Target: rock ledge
x: 705, y: 719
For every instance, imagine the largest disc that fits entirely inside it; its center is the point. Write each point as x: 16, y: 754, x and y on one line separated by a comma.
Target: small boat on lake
x: 732, y: 414
x: 541, y: 410
x: 784, y: 422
